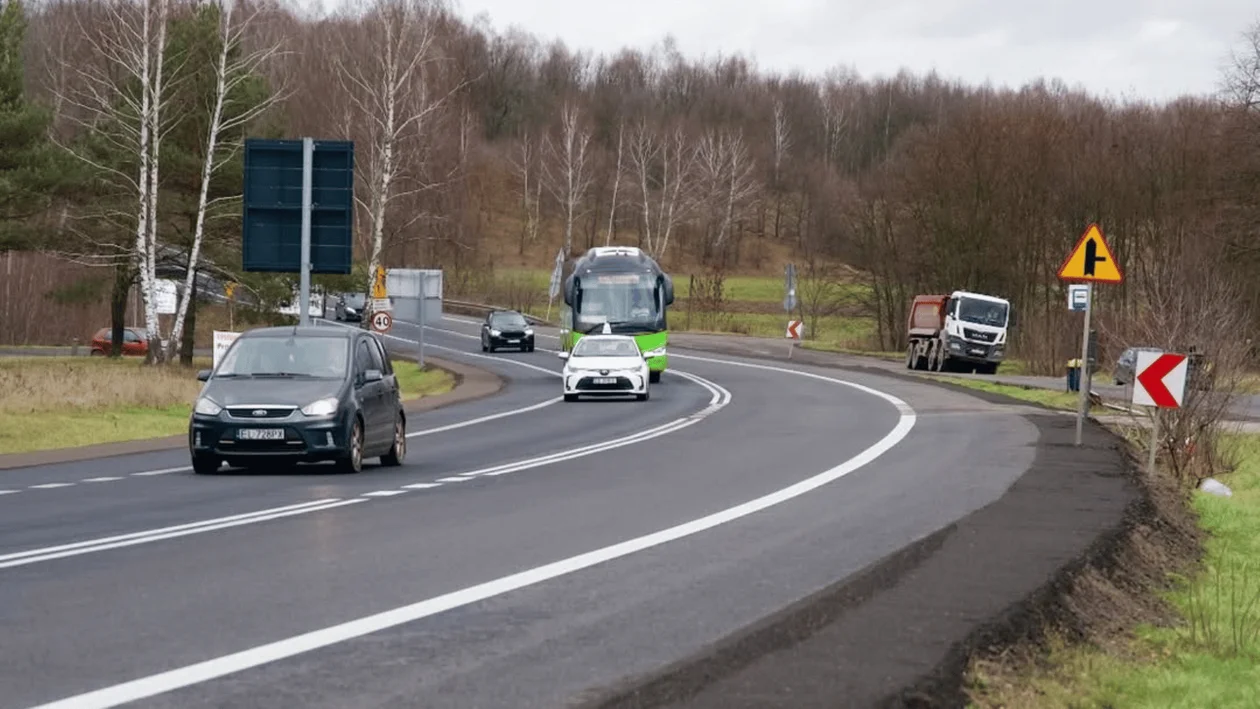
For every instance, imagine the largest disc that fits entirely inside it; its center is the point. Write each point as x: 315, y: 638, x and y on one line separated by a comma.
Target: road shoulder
x: 471, y: 383
x: 900, y: 633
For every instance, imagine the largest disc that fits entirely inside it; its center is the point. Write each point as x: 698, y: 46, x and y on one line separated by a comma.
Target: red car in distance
x: 134, y: 344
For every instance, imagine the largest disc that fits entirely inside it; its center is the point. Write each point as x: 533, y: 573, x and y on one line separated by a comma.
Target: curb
x: 471, y: 383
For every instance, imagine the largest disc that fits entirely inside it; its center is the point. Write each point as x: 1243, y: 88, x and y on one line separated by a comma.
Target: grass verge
x: 65, y: 402
x: 1207, y: 656
x: 1064, y: 400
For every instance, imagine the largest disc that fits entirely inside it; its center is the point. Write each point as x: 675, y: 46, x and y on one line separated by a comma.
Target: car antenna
x: 607, y: 329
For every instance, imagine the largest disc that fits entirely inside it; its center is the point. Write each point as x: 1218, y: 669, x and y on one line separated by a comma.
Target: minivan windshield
x: 588, y: 347
x: 321, y: 357
x: 355, y: 300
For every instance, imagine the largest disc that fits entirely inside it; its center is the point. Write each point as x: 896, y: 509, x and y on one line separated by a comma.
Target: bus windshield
x: 626, y: 302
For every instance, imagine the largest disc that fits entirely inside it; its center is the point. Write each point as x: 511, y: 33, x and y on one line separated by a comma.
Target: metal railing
x: 470, y: 308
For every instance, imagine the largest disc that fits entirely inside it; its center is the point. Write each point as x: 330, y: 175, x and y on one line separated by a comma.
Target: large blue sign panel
x: 271, y: 229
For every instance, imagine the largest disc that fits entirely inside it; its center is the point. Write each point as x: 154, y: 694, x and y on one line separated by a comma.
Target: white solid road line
x: 125, y: 540
x: 288, y: 647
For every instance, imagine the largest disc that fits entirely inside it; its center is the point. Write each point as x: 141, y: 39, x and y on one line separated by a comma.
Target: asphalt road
x: 517, y: 560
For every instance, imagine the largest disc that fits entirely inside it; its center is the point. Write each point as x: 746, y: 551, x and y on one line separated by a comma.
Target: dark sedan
x: 299, y: 394
x: 506, y: 328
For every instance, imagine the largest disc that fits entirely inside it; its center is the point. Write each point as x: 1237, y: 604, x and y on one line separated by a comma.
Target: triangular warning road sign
x: 1091, y: 260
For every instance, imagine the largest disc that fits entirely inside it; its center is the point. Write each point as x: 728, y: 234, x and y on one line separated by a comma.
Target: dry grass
x: 65, y: 402
x: 30, y: 385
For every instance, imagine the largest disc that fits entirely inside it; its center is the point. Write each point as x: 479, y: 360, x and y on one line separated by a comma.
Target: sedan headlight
x: 658, y: 352
x: 206, y: 407
x: 323, y: 407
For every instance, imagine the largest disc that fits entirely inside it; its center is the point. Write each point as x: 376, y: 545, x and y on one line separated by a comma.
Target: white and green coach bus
x: 624, y: 288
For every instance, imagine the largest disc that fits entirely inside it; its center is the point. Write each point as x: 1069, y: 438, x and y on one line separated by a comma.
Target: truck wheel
x: 654, y: 377
x: 910, y: 356
x: 936, y: 360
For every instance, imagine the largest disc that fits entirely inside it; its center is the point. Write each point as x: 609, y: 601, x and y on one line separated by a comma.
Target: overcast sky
x: 1152, y: 49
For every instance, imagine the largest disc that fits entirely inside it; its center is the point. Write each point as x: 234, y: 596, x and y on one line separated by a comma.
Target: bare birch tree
x: 119, y: 99
x: 612, y: 209
x: 673, y: 157
x: 231, y: 70
x: 728, y: 177
x: 782, y: 143
x: 386, y: 75
x: 568, y: 171
x: 524, y: 164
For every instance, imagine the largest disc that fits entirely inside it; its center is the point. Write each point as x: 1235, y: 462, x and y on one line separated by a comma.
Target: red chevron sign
x: 793, y: 330
x: 1160, y: 380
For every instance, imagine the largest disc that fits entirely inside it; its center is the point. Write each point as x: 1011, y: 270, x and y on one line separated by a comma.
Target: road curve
x: 511, y: 563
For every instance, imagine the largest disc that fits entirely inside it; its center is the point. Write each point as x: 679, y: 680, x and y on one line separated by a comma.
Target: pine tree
x: 30, y: 171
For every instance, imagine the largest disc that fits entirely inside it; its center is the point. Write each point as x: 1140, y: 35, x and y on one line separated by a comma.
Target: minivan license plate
x: 260, y: 434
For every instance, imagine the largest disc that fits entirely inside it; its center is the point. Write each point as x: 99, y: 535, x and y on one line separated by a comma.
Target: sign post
x: 1091, y: 261
x: 1159, y: 383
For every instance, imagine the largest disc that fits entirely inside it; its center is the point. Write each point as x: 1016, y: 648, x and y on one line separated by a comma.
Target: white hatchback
x: 605, y: 365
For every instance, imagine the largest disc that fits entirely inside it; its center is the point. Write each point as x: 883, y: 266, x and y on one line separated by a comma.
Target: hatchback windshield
x: 588, y: 347
x: 325, y: 357
x: 506, y: 320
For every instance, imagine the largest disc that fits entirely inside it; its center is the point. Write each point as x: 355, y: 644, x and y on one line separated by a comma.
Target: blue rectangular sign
x: 271, y: 229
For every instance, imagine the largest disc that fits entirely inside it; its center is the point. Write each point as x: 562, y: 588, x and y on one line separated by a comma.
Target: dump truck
x: 959, y: 332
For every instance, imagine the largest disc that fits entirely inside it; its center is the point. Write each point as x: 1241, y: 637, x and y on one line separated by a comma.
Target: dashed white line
x: 163, y: 471
x: 422, y: 486
x: 103, y: 479
x: 384, y: 493
x: 454, y: 479
x: 9, y: 492
x: 50, y: 486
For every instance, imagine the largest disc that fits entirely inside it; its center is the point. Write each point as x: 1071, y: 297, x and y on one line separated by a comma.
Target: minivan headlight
x: 323, y: 407
x: 529, y: 332
x: 206, y: 407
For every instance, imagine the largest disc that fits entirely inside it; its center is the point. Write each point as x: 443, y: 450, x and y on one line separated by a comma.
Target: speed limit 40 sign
x: 382, y: 321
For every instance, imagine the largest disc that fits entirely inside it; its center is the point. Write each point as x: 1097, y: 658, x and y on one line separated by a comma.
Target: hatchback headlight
x: 206, y: 407
x: 323, y: 407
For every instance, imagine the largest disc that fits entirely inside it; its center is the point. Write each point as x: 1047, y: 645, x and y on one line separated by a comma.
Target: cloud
x: 1155, y: 49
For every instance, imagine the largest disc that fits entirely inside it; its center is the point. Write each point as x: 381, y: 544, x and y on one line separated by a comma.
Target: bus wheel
x: 654, y: 377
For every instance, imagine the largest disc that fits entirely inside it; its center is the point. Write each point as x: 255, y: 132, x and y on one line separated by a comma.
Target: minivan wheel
x: 398, y: 453
x: 353, y: 460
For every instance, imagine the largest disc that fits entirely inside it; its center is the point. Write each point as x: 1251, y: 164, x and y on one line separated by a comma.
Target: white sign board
x: 165, y: 296
x: 382, y: 305
x: 1078, y: 297
x: 1160, y: 379
x: 222, y: 341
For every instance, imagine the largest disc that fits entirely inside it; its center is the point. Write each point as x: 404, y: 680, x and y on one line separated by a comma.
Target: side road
x: 911, y: 620
x: 470, y: 383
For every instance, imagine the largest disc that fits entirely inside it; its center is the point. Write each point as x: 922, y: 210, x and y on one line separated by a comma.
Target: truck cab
x: 961, y: 332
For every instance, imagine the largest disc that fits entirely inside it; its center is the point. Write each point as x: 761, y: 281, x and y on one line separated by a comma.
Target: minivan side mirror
x: 204, y: 375
x: 372, y: 375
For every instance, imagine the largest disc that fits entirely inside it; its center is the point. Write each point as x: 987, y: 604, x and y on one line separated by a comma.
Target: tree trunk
x: 118, y: 308
x: 189, y: 334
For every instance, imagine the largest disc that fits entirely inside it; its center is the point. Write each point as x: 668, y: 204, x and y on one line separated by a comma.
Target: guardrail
x: 470, y: 308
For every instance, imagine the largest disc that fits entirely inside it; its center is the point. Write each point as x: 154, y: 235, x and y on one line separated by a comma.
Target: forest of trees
x: 121, y: 123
